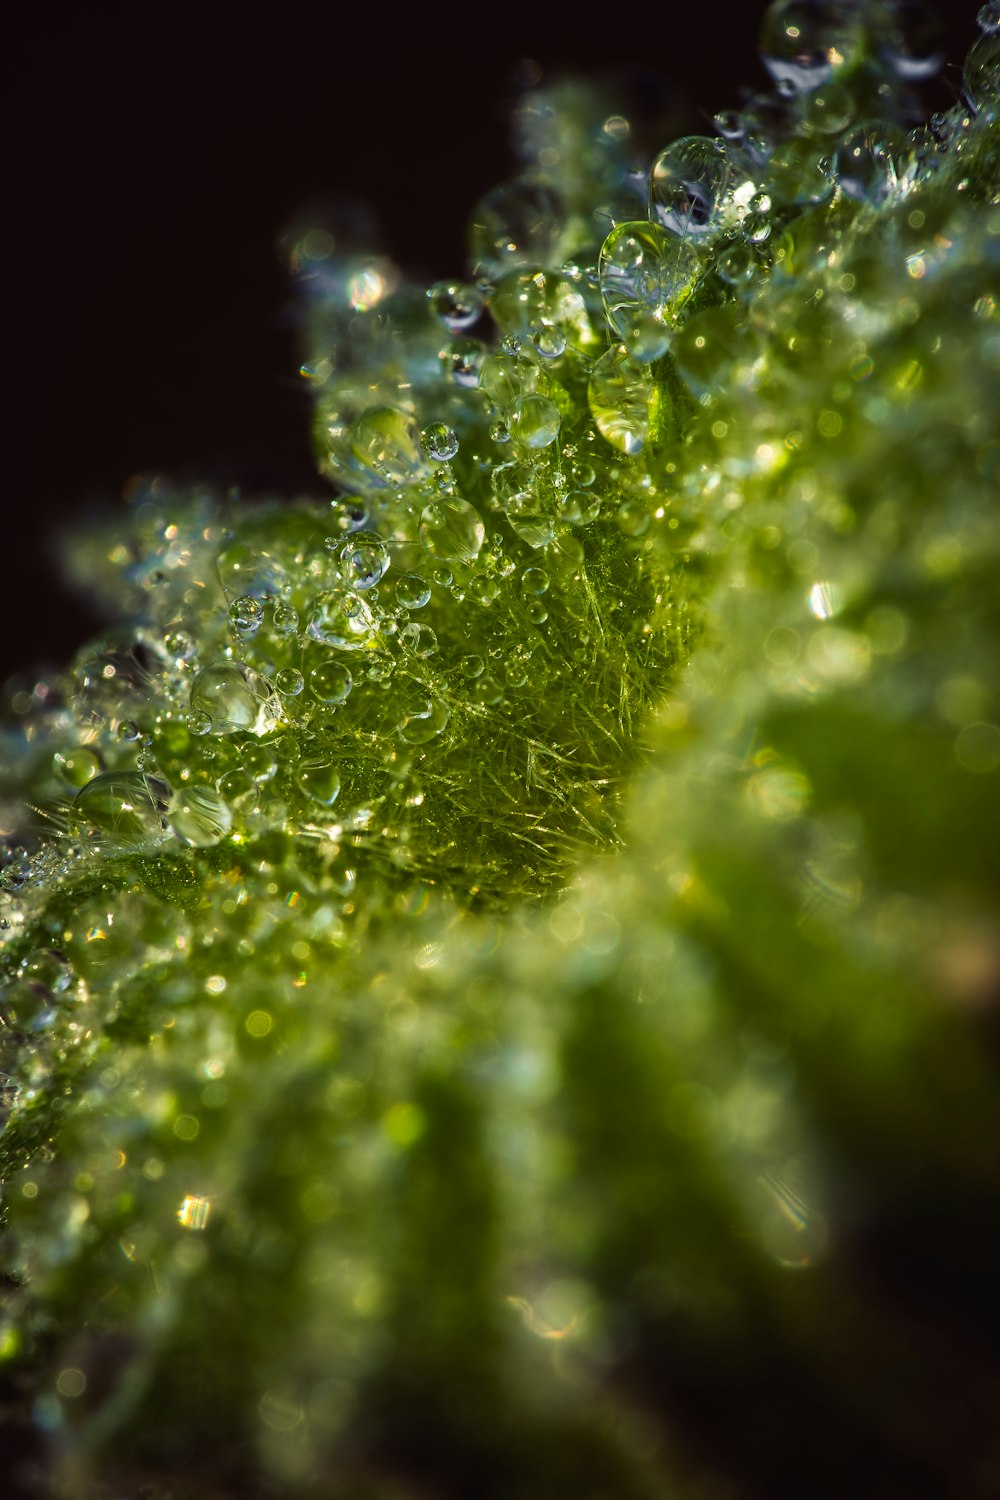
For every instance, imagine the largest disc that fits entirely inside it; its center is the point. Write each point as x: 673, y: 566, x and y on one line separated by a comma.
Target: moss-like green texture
x: 500, y: 972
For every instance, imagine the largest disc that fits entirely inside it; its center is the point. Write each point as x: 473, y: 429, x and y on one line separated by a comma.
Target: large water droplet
x: 516, y: 224
x: 452, y: 530
x: 122, y: 810
x: 364, y: 560
x: 533, y: 421
x: 245, y: 616
x: 646, y: 273
x: 440, y: 442
x: 689, y: 187
x: 981, y: 74
x: 319, y: 779
x: 801, y: 41
x: 619, y: 394
x: 340, y: 617
x: 421, y: 718
x: 222, y: 692
x: 200, y: 816
x: 330, y: 682
x: 455, y: 304
x: 387, y: 442
x: 76, y: 766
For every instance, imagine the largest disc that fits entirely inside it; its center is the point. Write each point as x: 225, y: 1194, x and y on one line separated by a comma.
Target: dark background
x: 153, y: 157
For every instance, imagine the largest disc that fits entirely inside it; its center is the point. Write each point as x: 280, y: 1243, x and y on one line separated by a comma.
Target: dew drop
x: 440, y: 442
x: 518, y: 223
x: 122, y: 810
x: 245, y: 616
x: 802, y: 40
x: 533, y: 421
x: 421, y: 718
x: 646, y: 273
x: 289, y: 682
x: 330, y: 682
x: 689, y: 187
x: 319, y: 779
x: 619, y: 395
x: 200, y: 816
x: 364, y: 560
x: 387, y: 442
x: 462, y: 361
x: 412, y: 591
x: 284, y: 619
x: 77, y: 766
x: 452, y: 530
x: 455, y: 304
x: 128, y: 730
x: 341, y: 618
x: 223, y: 693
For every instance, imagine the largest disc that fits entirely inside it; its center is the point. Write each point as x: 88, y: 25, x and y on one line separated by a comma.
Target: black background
x: 152, y: 159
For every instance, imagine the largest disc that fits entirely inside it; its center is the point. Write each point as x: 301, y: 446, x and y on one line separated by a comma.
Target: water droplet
x: 500, y: 432
x: 421, y: 718
x: 455, y: 304
x: 619, y: 394
x: 48, y: 968
x: 200, y: 816
x: 223, y: 693
x: 128, y: 730
x: 981, y: 74
x: 534, y: 580
x: 471, y: 666
x: 440, y: 442
x: 462, y: 361
x: 801, y: 41
x: 341, y: 618
x: 452, y: 530
x: 289, y: 682
x: 418, y: 639
x: 330, y: 682
x: 198, y: 721
x: 285, y: 619
x: 387, y: 443
x: 412, y: 591
x: 910, y: 42
x: 646, y: 273
x: 245, y: 616
x: 533, y: 421
x: 988, y: 16
x: 867, y: 161
x: 121, y: 810
x: 549, y: 342
x: 76, y: 766
x: 364, y: 560
x: 690, y: 187
x: 518, y: 223
x: 319, y: 779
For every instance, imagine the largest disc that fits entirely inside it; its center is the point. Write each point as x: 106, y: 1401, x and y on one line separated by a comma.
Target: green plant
x: 503, y: 955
